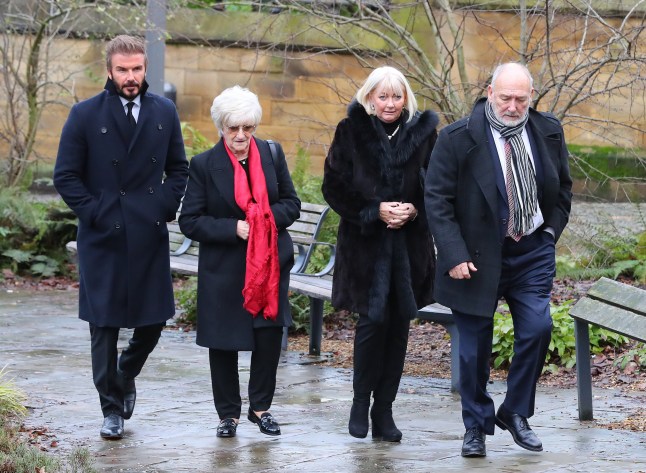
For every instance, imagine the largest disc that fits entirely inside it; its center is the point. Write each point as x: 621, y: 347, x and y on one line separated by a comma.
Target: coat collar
x: 221, y: 171
x: 372, y: 137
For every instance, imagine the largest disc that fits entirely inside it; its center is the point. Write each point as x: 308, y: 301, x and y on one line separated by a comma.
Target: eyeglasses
x: 236, y: 129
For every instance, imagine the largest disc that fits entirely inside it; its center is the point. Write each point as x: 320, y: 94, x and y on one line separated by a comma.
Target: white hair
x: 392, y: 79
x: 236, y: 106
x: 501, y: 67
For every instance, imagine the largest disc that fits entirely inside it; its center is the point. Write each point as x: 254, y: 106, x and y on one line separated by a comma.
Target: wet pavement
x: 46, y: 349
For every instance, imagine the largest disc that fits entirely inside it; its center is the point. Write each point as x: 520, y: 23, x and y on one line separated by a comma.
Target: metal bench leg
x: 284, y: 342
x: 455, y: 356
x: 316, y: 325
x: 583, y: 375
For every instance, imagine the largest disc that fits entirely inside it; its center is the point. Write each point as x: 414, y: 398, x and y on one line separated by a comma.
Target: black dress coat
x: 361, y: 171
x: 123, y: 191
x: 463, y: 192
x: 210, y: 215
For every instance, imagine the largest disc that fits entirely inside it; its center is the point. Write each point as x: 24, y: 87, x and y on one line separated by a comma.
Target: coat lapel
x: 484, y: 171
x: 119, y: 116
x: 145, y: 115
x: 221, y: 171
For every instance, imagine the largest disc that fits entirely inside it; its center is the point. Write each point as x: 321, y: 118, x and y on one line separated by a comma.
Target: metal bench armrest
x: 299, y: 261
x: 182, y: 248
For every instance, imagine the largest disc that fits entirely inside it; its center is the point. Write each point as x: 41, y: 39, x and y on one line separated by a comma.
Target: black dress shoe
x: 227, y: 428
x: 519, y: 429
x: 265, y: 422
x: 474, y: 443
x: 358, y: 424
x: 383, y: 425
x: 112, y: 427
x: 129, y: 394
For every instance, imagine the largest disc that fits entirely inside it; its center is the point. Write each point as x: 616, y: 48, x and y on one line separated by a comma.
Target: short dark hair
x: 125, y: 44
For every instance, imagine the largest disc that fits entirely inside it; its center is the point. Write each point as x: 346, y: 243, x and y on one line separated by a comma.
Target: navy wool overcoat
x: 123, y: 186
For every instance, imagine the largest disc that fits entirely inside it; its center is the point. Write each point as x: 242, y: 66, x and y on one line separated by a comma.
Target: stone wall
x: 303, y: 94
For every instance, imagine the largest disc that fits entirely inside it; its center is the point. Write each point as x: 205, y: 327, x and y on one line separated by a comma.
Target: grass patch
x: 16, y: 455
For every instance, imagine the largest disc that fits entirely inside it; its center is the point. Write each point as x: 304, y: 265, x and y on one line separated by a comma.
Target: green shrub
x: 608, y: 254
x: 194, y: 141
x: 186, y: 300
x: 561, y: 352
x: 34, y: 234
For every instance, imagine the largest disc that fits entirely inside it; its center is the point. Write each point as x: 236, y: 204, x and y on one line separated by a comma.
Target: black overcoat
x: 123, y: 192
x: 463, y: 191
x: 210, y: 215
x: 361, y: 171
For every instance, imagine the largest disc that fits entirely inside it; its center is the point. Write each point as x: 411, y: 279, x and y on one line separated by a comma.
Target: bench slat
x: 610, y: 317
x: 620, y: 295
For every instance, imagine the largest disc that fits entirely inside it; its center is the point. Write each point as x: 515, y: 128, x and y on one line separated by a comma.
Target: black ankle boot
x: 383, y: 425
x: 358, y: 425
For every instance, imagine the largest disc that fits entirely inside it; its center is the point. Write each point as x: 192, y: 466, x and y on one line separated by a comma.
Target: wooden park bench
x: 304, y: 232
x: 317, y: 287
x: 319, y: 290
x: 611, y: 305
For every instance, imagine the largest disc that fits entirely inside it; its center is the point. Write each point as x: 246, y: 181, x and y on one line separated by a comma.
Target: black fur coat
x: 375, y: 264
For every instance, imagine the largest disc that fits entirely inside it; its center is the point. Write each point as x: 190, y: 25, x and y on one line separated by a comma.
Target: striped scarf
x: 525, y: 198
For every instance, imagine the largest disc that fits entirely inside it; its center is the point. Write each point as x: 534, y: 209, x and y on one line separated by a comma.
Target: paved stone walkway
x: 46, y: 348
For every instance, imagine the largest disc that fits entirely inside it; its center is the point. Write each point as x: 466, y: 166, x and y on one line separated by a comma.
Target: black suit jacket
x: 463, y: 203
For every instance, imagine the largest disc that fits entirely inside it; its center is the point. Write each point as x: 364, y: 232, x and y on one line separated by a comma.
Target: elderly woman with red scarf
x: 239, y: 201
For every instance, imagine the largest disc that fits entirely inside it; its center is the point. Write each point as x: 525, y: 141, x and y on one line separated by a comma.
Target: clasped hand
x: 396, y: 214
x: 242, y: 229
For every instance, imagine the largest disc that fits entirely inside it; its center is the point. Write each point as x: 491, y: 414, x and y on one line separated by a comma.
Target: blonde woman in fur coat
x: 373, y: 179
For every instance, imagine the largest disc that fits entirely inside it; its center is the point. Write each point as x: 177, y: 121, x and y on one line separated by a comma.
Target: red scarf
x: 262, y: 275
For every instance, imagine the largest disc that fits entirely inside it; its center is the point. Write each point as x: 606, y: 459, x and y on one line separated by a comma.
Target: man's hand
x: 463, y: 270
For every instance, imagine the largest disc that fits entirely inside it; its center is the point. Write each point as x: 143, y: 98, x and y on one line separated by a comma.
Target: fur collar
x: 372, y: 138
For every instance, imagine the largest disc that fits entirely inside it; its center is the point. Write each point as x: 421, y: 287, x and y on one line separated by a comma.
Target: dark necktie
x: 131, y: 117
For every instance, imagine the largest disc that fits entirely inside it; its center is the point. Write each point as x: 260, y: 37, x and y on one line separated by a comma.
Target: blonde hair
x: 236, y: 106
x: 392, y: 79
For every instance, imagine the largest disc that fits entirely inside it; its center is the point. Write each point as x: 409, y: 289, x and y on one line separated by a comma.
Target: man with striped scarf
x: 497, y: 196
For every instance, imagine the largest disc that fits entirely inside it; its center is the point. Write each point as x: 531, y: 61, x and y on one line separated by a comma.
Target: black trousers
x: 528, y: 269
x: 379, y: 354
x: 105, y: 360
x: 225, y: 379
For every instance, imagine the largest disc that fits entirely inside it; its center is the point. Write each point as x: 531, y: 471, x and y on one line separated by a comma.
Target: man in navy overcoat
x: 497, y: 196
x: 122, y: 169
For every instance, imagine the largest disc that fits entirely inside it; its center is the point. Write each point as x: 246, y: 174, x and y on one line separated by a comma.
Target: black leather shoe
x: 383, y: 425
x: 266, y: 422
x: 227, y: 428
x: 474, y: 443
x: 519, y: 429
x: 112, y: 427
x: 129, y: 394
x: 358, y: 424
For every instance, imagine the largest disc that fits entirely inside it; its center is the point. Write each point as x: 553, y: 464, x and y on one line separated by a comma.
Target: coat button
x: 153, y: 159
x: 151, y: 190
x: 157, y: 223
x: 104, y: 130
x: 115, y: 162
x: 504, y: 221
x: 122, y: 192
x: 476, y: 253
x: 117, y: 225
x: 159, y: 126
